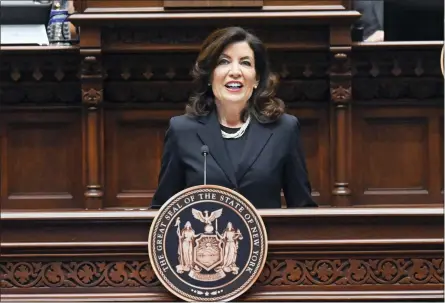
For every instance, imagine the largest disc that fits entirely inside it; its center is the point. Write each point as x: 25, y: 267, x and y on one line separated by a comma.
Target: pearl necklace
x: 239, y: 133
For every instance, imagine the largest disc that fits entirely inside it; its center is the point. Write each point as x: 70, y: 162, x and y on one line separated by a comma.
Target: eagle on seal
x: 206, y: 218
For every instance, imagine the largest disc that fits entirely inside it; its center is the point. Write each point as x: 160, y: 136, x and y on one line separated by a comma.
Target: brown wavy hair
x: 263, y: 104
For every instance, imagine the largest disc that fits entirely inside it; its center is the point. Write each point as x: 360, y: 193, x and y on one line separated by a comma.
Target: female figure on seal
x: 231, y: 237
x: 185, y: 249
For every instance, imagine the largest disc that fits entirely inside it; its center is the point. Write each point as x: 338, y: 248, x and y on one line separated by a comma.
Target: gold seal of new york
x: 207, y: 244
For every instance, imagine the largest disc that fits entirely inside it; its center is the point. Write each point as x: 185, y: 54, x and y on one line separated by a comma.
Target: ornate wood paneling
x: 163, y: 80
x: 397, y: 74
x: 304, y: 273
x: 139, y: 88
x: 397, y: 125
x: 340, y: 95
x: 35, y: 76
x: 41, y: 160
x: 133, y: 145
x: 372, y: 254
x: 78, y: 274
x: 40, y: 127
x: 82, y: 127
x: 397, y: 152
x: 395, y: 131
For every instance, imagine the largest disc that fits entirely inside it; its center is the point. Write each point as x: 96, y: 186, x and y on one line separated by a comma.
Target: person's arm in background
x: 371, y: 20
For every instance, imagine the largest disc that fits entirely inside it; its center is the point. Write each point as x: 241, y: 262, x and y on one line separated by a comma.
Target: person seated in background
x: 370, y: 25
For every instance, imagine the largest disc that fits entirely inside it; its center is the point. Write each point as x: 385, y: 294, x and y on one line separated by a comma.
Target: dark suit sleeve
x: 296, y: 185
x: 171, y: 176
x: 372, y: 16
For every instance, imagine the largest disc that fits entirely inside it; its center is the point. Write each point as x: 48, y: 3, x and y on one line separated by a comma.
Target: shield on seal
x: 208, y: 251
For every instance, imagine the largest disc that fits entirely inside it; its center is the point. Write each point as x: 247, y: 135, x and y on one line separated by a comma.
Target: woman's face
x: 234, y: 76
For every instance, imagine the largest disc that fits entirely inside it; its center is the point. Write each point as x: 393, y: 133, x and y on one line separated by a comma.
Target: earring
x: 208, y: 84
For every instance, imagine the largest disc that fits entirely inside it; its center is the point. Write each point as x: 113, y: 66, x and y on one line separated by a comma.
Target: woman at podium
x: 253, y: 147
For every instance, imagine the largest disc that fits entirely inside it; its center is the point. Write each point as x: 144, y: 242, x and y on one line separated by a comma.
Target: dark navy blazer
x: 272, y: 161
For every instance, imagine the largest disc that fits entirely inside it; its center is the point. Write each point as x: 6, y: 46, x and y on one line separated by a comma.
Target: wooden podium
x: 332, y: 254
x: 81, y: 134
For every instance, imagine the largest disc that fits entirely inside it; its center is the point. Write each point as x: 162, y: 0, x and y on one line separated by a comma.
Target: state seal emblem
x: 207, y: 244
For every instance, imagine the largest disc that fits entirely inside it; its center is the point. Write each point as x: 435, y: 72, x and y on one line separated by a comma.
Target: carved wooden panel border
x: 277, y: 272
x: 40, y: 79
x: 389, y: 75
x: 388, y: 271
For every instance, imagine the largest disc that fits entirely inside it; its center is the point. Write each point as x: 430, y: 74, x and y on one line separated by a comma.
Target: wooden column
x: 92, y: 97
x: 340, y: 92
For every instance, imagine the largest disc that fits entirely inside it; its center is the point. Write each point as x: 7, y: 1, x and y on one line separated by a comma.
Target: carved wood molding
x: 50, y: 66
x: 341, y: 96
x: 47, y: 94
x: 91, y: 80
x: 35, y: 78
x: 212, y: 3
x: 387, y: 271
x: 380, y: 74
x: 92, y: 96
x: 397, y: 72
x: 281, y: 17
x: 92, y: 75
x: 78, y: 274
x: 340, y: 75
x: 277, y: 273
x: 189, y: 38
x: 404, y: 90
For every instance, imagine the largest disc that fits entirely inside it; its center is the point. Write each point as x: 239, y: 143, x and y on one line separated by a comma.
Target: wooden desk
x: 367, y: 254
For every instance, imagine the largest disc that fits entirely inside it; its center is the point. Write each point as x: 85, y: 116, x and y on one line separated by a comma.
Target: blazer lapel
x: 257, y: 138
x: 210, y: 135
